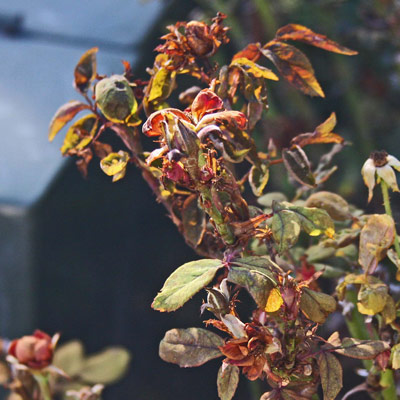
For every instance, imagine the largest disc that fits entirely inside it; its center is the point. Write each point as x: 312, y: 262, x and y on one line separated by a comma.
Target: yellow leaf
x: 274, y: 301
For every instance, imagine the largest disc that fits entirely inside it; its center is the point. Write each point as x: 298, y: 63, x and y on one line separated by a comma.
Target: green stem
x: 388, y: 210
x: 387, y: 381
x: 43, y: 382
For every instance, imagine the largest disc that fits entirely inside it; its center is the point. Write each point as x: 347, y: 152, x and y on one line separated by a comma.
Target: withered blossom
x: 380, y: 164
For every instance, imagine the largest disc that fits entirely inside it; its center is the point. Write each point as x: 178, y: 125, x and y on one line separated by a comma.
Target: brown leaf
x: 193, y: 221
x: 190, y: 347
x: 294, y: 66
x: 298, y: 166
x: 322, y: 134
x: 362, y: 349
x: 86, y: 70
x: 331, y: 373
x: 251, y: 52
x: 63, y: 115
x: 227, y: 381
x: 306, y: 35
x: 335, y: 205
x: 376, y: 237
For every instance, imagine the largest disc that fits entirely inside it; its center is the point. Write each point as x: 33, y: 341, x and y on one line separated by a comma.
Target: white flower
x: 381, y: 164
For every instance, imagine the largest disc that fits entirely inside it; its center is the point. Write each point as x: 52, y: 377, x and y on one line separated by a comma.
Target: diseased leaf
x: 314, y: 220
x: 376, y: 237
x: 258, y: 178
x: 251, y: 52
x: 298, y: 166
x: 184, y: 283
x: 115, y: 163
x: 86, y: 70
x: 395, y: 356
x: 274, y: 300
x: 193, y: 221
x: 162, y: 84
x: 80, y: 134
x: 285, y: 229
x: 105, y: 367
x: 331, y: 373
x: 294, y: 66
x: 316, y: 305
x: 306, y: 35
x: 227, y: 381
x: 372, y: 298
x: 63, y: 115
x: 335, y: 205
x: 250, y: 67
x: 322, y: 134
x: 190, y: 347
x: 256, y: 283
x: 394, y: 258
x: 267, y: 199
x: 362, y: 349
x: 262, y: 264
x: 389, y: 312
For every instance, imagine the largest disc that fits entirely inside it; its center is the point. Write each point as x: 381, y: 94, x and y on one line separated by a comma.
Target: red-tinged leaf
x: 376, y: 237
x: 306, y: 35
x: 362, y: 349
x: 250, y: 67
x: 101, y: 150
x: 322, y: 134
x: 227, y: 381
x: 298, y: 166
x: 190, y: 347
x: 86, y: 70
x: 230, y: 119
x: 251, y: 52
x: 63, y: 115
x: 205, y: 102
x: 294, y: 66
x: 154, y: 126
x: 331, y: 373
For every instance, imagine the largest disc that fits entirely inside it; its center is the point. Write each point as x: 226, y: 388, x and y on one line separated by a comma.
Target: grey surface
x: 36, y: 78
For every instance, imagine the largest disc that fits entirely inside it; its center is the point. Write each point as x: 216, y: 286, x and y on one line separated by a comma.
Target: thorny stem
x: 388, y: 210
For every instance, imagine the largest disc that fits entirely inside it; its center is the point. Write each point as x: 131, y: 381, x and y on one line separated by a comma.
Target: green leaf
x: 285, y: 228
x: 335, y: 205
x: 267, y: 199
x: 331, y: 373
x: 314, y: 220
x: 63, y: 115
x: 262, y: 264
x: 255, y: 282
x: 376, y: 237
x: 258, y: 178
x: 316, y: 306
x: 298, y: 166
x: 105, y: 367
x: 69, y: 357
x: 227, y: 381
x: 190, y: 347
x: 114, y: 163
x: 184, y: 283
x: 362, y: 349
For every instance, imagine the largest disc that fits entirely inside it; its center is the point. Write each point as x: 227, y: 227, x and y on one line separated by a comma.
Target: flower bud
x: 35, y: 351
x: 115, y: 98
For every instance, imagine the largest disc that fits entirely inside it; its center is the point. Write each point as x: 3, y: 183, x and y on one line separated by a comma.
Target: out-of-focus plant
x: 276, y: 251
x: 35, y: 369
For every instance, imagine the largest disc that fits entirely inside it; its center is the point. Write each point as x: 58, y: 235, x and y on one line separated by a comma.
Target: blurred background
x: 85, y: 257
